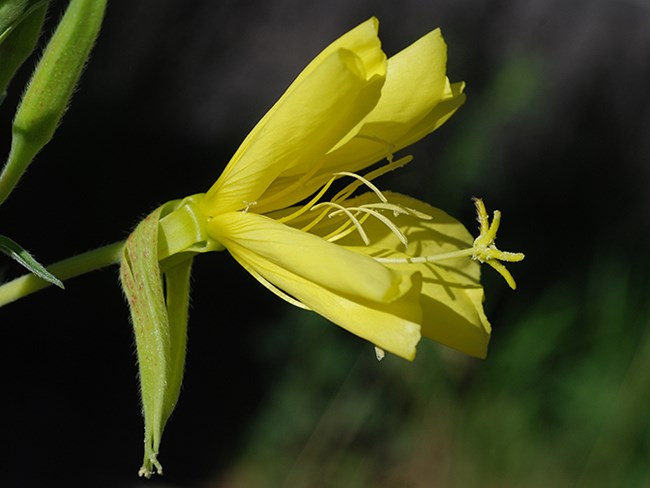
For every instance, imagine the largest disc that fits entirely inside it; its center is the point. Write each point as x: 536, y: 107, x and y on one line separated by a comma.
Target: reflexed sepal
x: 160, y: 335
x: 155, y: 275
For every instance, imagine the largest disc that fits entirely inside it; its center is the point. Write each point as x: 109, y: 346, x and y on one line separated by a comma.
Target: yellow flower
x: 384, y: 266
x: 349, y: 109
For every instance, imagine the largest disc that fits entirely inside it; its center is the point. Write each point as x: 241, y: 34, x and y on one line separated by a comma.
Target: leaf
x: 16, y: 252
x: 51, y: 87
x: 20, y: 28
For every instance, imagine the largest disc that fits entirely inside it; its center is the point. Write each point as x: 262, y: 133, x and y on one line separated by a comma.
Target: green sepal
x: 16, y: 252
x: 155, y: 275
x: 177, y: 295
x: 142, y: 282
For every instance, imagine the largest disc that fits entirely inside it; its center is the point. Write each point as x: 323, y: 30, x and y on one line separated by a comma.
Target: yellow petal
x: 415, y: 81
x: 452, y: 296
x: 337, y: 90
x: 416, y: 99
x: 349, y: 289
x: 394, y: 326
x: 362, y: 41
x: 308, y: 256
x: 453, y: 98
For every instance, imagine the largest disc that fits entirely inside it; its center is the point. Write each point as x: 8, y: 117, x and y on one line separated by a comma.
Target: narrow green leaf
x: 18, y: 40
x: 12, y: 12
x: 18, y: 253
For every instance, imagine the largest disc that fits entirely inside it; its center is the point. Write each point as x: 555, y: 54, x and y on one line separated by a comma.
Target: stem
x: 68, y: 268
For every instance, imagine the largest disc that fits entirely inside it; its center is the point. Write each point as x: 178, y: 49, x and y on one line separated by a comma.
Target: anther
x: 249, y: 205
x: 379, y: 353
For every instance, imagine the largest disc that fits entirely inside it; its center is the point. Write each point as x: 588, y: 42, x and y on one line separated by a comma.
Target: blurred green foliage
x: 554, y: 134
x: 560, y: 401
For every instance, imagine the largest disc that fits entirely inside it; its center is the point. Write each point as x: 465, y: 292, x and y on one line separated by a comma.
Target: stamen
x: 344, y: 230
x: 309, y: 205
x: 365, y: 182
x: 315, y: 221
x: 399, y: 210
x: 391, y: 166
x: 348, y: 190
x: 298, y: 183
x: 385, y: 220
x: 379, y: 353
x: 370, y: 209
x: 249, y: 205
x: 274, y: 289
x: 353, y: 219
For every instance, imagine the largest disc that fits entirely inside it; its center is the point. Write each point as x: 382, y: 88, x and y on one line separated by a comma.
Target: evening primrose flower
x: 349, y: 109
x: 297, y: 206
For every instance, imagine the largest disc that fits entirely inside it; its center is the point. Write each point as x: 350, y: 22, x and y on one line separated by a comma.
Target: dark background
x: 555, y: 133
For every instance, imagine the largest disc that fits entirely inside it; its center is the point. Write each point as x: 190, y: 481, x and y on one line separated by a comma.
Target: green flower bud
x: 51, y: 87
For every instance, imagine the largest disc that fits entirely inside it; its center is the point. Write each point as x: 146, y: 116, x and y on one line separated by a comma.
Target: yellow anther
x: 379, y: 353
x: 248, y: 205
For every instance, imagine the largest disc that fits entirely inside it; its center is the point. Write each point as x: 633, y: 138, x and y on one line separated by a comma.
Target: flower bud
x: 51, y: 87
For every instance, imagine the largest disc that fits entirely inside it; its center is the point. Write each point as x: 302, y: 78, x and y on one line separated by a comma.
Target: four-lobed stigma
x: 483, y: 249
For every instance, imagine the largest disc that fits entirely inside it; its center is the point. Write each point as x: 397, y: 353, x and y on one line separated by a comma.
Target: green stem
x: 68, y: 268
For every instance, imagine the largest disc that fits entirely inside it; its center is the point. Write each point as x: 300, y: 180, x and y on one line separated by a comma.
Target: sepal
x: 155, y: 275
x: 159, y: 303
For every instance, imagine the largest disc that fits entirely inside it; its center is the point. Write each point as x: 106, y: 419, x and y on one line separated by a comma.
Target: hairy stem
x: 63, y: 270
